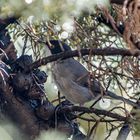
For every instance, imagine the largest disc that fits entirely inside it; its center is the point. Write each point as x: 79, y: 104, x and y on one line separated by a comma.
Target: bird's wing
x: 73, y: 68
x: 76, y: 72
x: 82, y: 77
x: 91, y: 84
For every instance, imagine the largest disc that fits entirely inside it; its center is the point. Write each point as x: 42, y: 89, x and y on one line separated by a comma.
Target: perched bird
x: 73, y: 79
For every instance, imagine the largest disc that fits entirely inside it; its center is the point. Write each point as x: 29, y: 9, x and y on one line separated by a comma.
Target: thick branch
x: 20, y: 113
x: 95, y: 51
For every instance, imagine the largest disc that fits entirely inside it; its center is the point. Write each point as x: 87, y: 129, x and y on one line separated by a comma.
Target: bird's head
x: 57, y: 46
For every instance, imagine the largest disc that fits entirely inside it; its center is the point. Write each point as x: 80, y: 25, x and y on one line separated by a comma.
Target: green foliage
x: 46, y: 9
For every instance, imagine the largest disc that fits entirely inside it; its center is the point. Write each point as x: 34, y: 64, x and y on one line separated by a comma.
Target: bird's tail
x: 117, y: 97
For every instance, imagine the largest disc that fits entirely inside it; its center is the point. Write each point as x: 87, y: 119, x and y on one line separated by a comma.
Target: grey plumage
x: 68, y: 82
x: 73, y: 80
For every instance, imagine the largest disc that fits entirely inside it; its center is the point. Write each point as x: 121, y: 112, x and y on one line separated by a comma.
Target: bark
x: 20, y: 113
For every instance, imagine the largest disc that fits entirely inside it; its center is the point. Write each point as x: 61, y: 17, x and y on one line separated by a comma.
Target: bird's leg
x: 59, y: 97
x: 98, y: 98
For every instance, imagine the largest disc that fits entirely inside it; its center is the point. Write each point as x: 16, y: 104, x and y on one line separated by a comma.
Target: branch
x: 125, y: 130
x: 19, y: 113
x: 93, y: 110
x: 94, y: 51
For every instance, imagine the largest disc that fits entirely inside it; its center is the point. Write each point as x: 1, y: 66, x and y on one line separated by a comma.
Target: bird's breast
x: 65, y: 81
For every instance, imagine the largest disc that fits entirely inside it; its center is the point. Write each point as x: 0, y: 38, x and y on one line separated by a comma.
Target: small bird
x: 73, y: 79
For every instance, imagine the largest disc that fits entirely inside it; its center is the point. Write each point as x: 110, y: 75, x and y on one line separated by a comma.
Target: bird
x: 73, y: 79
